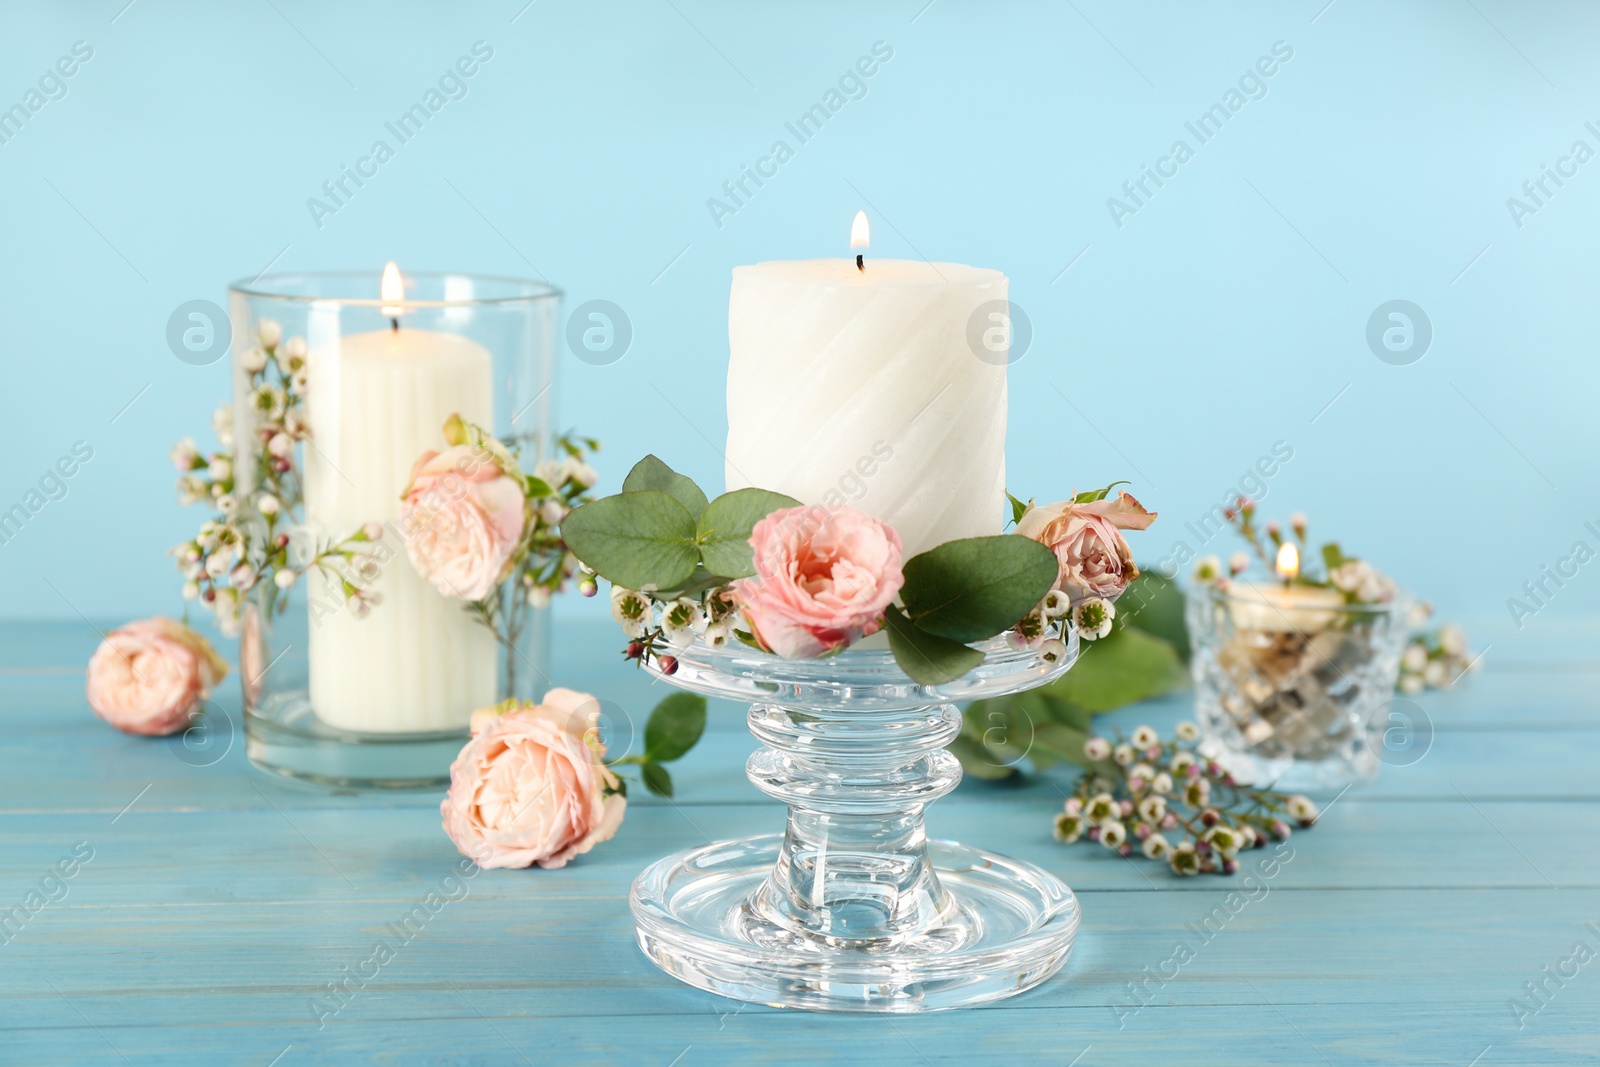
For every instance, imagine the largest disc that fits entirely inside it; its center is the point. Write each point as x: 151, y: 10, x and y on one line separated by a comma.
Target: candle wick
x: 394, y: 324
x: 860, y: 265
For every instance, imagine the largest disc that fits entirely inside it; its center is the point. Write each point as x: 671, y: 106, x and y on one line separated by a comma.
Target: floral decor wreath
x: 805, y: 581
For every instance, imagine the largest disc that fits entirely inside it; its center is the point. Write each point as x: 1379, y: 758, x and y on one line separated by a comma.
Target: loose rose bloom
x: 531, y: 786
x: 149, y: 677
x: 463, y: 518
x: 823, y: 579
x: 1087, y: 540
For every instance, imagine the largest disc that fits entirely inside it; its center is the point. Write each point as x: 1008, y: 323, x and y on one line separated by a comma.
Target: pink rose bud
x: 149, y: 677
x: 823, y: 579
x: 531, y: 786
x: 463, y: 520
x: 1087, y: 540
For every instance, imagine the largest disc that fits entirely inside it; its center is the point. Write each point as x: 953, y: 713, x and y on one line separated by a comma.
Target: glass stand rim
x: 897, y: 976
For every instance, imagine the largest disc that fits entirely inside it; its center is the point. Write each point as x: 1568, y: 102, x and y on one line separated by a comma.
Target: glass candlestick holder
x: 853, y: 908
x: 1290, y: 680
x: 357, y: 670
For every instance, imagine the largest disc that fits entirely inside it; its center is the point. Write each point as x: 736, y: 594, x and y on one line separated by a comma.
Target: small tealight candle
x: 1282, y: 607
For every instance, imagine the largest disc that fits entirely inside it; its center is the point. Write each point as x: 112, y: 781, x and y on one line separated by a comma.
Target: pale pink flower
x: 531, y: 786
x: 1088, y: 543
x: 149, y: 677
x: 823, y: 579
x: 462, y: 520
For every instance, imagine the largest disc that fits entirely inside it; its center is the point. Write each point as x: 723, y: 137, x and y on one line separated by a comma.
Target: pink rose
x: 462, y: 520
x: 1087, y: 540
x: 149, y: 677
x: 531, y: 787
x: 823, y: 579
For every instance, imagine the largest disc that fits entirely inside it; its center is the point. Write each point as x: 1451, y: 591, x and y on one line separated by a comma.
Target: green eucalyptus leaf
x: 702, y: 581
x: 927, y: 658
x: 725, y: 527
x: 1004, y: 729
x: 976, y: 761
x: 1055, y: 743
x: 651, y: 473
x: 1155, y: 605
x: 656, y: 779
x: 1333, y: 557
x: 674, y: 727
x: 634, y: 539
x: 974, y: 588
x: 1124, y: 667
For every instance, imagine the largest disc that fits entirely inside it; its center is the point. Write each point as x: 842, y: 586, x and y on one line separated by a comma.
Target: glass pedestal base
x: 852, y: 908
x: 284, y: 736
x: 699, y: 917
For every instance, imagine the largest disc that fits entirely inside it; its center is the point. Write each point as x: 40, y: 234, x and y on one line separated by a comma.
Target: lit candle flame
x: 392, y: 288
x: 1288, y: 565
x: 860, y: 232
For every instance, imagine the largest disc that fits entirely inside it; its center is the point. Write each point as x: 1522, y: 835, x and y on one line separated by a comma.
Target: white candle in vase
x: 858, y: 385
x: 1280, y: 607
x: 375, y: 401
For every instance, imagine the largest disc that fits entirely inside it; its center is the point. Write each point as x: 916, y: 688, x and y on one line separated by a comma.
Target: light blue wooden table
x: 219, y: 904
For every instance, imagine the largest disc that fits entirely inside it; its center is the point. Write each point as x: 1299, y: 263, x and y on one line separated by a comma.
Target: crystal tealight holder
x: 340, y: 383
x: 1288, y: 688
x: 852, y: 908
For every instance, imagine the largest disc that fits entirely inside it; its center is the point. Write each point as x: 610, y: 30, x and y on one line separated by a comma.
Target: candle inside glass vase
x: 1292, y: 653
x: 376, y: 401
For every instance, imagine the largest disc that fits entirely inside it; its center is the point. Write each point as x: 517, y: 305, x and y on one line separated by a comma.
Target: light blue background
x: 1224, y: 316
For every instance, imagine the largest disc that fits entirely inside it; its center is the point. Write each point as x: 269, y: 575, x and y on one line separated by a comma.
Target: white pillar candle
x: 859, y: 386
x: 375, y: 401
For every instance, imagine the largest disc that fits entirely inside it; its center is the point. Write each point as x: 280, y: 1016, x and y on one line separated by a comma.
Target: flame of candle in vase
x: 392, y: 290
x: 1288, y: 565
x: 860, y: 238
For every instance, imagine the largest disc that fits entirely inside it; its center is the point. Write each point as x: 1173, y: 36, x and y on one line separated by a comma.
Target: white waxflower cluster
x: 1140, y: 791
x: 1360, y: 579
x: 655, y: 625
x: 1435, y: 660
